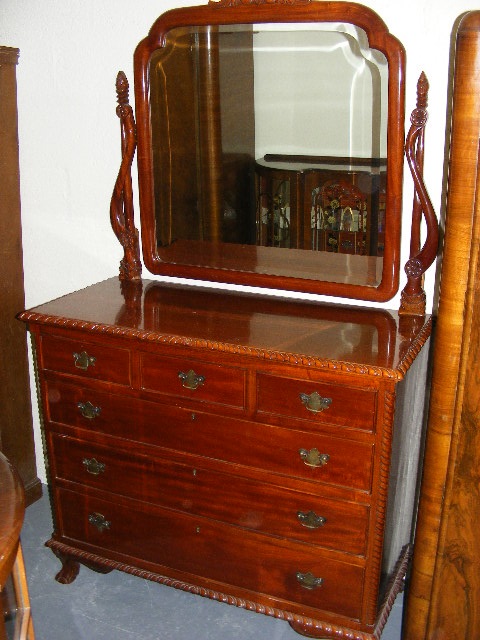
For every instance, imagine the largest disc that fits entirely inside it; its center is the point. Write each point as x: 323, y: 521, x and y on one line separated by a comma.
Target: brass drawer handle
x: 191, y: 380
x: 315, y: 402
x: 310, y: 520
x: 309, y: 581
x: 99, y: 521
x: 314, y: 458
x: 93, y: 466
x: 83, y: 360
x: 88, y: 410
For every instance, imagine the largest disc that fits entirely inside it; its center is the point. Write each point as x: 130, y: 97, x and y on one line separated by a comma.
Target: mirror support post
x: 121, y: 205
x: 413, y: 299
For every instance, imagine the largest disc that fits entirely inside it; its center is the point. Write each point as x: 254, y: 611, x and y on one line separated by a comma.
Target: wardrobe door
x: 16, y: 432
x: 444, y: 594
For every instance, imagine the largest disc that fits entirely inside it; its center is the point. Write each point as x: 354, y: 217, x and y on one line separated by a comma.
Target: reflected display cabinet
x: 253, y: 449
x: 320, y: 206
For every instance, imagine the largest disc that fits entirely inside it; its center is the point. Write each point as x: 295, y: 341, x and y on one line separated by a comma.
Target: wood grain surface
x: 444, y: 597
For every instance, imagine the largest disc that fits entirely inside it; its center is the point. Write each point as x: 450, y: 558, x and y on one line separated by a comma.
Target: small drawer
x: 211, y: 551
x: 86, y: 359
x: 316, y: 401
x: 193, y: 379
x: 301, y: 454
x: 231, y: 499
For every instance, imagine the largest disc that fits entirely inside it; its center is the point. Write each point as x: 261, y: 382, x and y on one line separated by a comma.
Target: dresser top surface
x: 357, y: 339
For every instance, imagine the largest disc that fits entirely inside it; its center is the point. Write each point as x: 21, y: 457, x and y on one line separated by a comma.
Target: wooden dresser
x: 235, y: 446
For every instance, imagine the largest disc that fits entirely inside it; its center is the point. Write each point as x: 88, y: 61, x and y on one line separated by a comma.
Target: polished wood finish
x: 413, y: 298
x: 444, y: 595
x: 188, y: 444
x: 255, y: 265
x: 16, y: 430
x: 121, y: 205
x: 256, y: 450
x: 12, y: 510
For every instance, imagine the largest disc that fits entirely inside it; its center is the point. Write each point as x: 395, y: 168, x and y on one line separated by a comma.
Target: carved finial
x: 121, y: 204
x: 419, y: 115
x: 422, y: 91
x: 413, y: 299
x: 122, y: 88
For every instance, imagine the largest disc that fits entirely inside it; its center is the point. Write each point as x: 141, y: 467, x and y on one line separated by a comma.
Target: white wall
x: 70, y: 52
x: 315, y: 94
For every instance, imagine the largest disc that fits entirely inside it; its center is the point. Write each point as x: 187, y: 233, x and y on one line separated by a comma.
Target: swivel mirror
x: 270, y: 147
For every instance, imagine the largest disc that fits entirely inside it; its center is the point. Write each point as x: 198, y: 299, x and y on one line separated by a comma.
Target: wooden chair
x: 13, y: 582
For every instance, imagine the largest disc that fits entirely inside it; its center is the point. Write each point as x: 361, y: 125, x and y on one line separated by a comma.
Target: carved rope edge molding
x: 413, y: 351
x: 373, y: 576
x: 296, y: 619
x: 280, y: 356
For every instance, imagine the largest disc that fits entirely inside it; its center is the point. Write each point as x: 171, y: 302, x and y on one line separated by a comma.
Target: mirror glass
x: 263, y: 154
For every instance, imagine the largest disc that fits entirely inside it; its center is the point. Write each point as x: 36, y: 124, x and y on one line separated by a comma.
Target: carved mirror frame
x: 231, y: 12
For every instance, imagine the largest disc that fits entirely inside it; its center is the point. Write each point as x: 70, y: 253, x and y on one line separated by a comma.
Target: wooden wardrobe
x: 16, y: 431
x: 444, y: 595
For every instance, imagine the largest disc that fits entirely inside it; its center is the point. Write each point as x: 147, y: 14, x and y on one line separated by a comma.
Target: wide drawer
x: 137, y: 533
x: 245, y: 503
x: 86, y: 359
x: 193, y: 379
x: 291, y: 453
x: 316, y: 401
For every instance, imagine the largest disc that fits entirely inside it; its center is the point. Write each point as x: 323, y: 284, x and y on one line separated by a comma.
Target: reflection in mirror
x: 269, y: 135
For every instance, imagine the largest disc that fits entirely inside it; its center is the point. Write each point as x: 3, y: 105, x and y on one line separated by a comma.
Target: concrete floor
x: 117, y: 606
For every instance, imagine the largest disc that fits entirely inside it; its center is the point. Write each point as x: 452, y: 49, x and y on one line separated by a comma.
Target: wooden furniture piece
x: 234, y: 446
x: 254, y: 450
x: 16, y: 431
x: 204, y: 257
x: 444, y: 594
x: 207, y: 255
x: 13, y: 584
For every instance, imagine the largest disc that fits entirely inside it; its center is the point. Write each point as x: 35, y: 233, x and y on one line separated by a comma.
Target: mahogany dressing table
x: 253, y: 449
